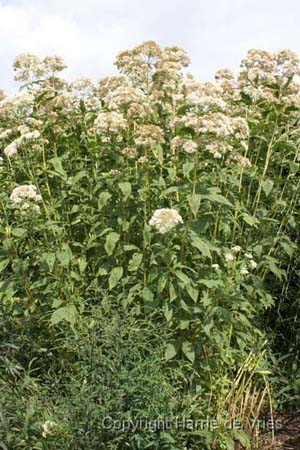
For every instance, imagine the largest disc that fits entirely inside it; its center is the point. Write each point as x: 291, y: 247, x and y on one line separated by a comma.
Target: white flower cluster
x: 149, y: 135
x: 187, y: 145
x: 241, y: 160
x: 25, y: 198
x: 28, y: 66
x: 165, y: 219
x: 130, y: 100
x: 110, y: 123
x: 260, y: 70
x: 207, y: 97
x: 130, y: 152
x: 48, y: 427
x: 217, y: 123
x: 231, y: 256
x: 26, y: 135
x: 218, y: 149
x: 6, y: 133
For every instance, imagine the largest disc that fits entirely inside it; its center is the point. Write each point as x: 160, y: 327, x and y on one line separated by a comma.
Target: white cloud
x: 89, y: 33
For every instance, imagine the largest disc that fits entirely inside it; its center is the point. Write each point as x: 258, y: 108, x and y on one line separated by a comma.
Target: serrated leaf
x: 229, y: 442
x: 67, y: 313
x: 168, y: 312
x: 218, y: 198
x: 188, y: 351
x: 289, y: 248
x: 101, y: 272
x: 194, y: 202
x: 158, y: 153
x: 3, y: 264
x: 110, y: 242
x: 211, y: 283
x: 201, y: 245
x: 125, y: 187
x: 243, y: 438
x: 103, y: 199
x: 135, y: 262
x: 57, y: 164
x: 64, y: 255
x: 49, y: 258
x: 182, y: 277
x: 19, y: 232
x: 193, y: 293
x: 272, y: 265
x: 187, y: 168
x: 172, y: 173
x: 170, y: 351
x: 250, y: 220
x: 267, y: 186
x: 147, y: 295
x: 115, y: 276
x: 161, y: 283
x: 172, y: 292
x: 82, y: 264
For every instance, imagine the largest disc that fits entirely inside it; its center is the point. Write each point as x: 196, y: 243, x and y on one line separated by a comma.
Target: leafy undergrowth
x: 149, y: 264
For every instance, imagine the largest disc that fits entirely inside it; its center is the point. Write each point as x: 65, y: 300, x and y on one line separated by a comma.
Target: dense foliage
x: 149, y: 262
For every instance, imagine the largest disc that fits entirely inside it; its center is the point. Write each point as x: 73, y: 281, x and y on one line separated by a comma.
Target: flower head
x: 253, y: 264
x: 48, y: 427
x: 149, y: 135
x: 229, y: 257
x: 11, y: 150
x: 165, y: 219
x: 25, y: 198
x: 236, y: 249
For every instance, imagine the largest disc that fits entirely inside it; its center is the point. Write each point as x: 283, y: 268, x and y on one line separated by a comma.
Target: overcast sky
x: 89, y: 33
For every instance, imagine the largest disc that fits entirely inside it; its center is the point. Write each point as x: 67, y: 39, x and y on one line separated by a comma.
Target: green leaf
x: 103, y: 199
x: 214, y: 196
x: 57, y: 164
x: 188, y: 351
x: 3, y: 264
x: 267, y: 186
x: 82, y: 264
x: 172, y: 173
x: 250, y: 220
x: 194, y: 202
x: 130, y: 247
x: 289, y: 248
x: 172, y: 292
x: 183, y: 277
x: 243, y: 438
x: 170, y: 351
x: 201, y: 245
x: 193, y: 293
x: 158, y: 153
x: 272, y: 265
x: 211, y: 283
x: 110, y: 242
x: 67, y: 313
x: 186, y: 168
x: 125, y: 187
x: 115, y: 276
x: 229, y: 442
x: 101, y: 272
x: 49, y: 259
x: 64, y: 255
x: 168, y: 312
x: 135, y: 262
x: 19, y: 232
x: 147, y: 295
x: 161, y: 283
